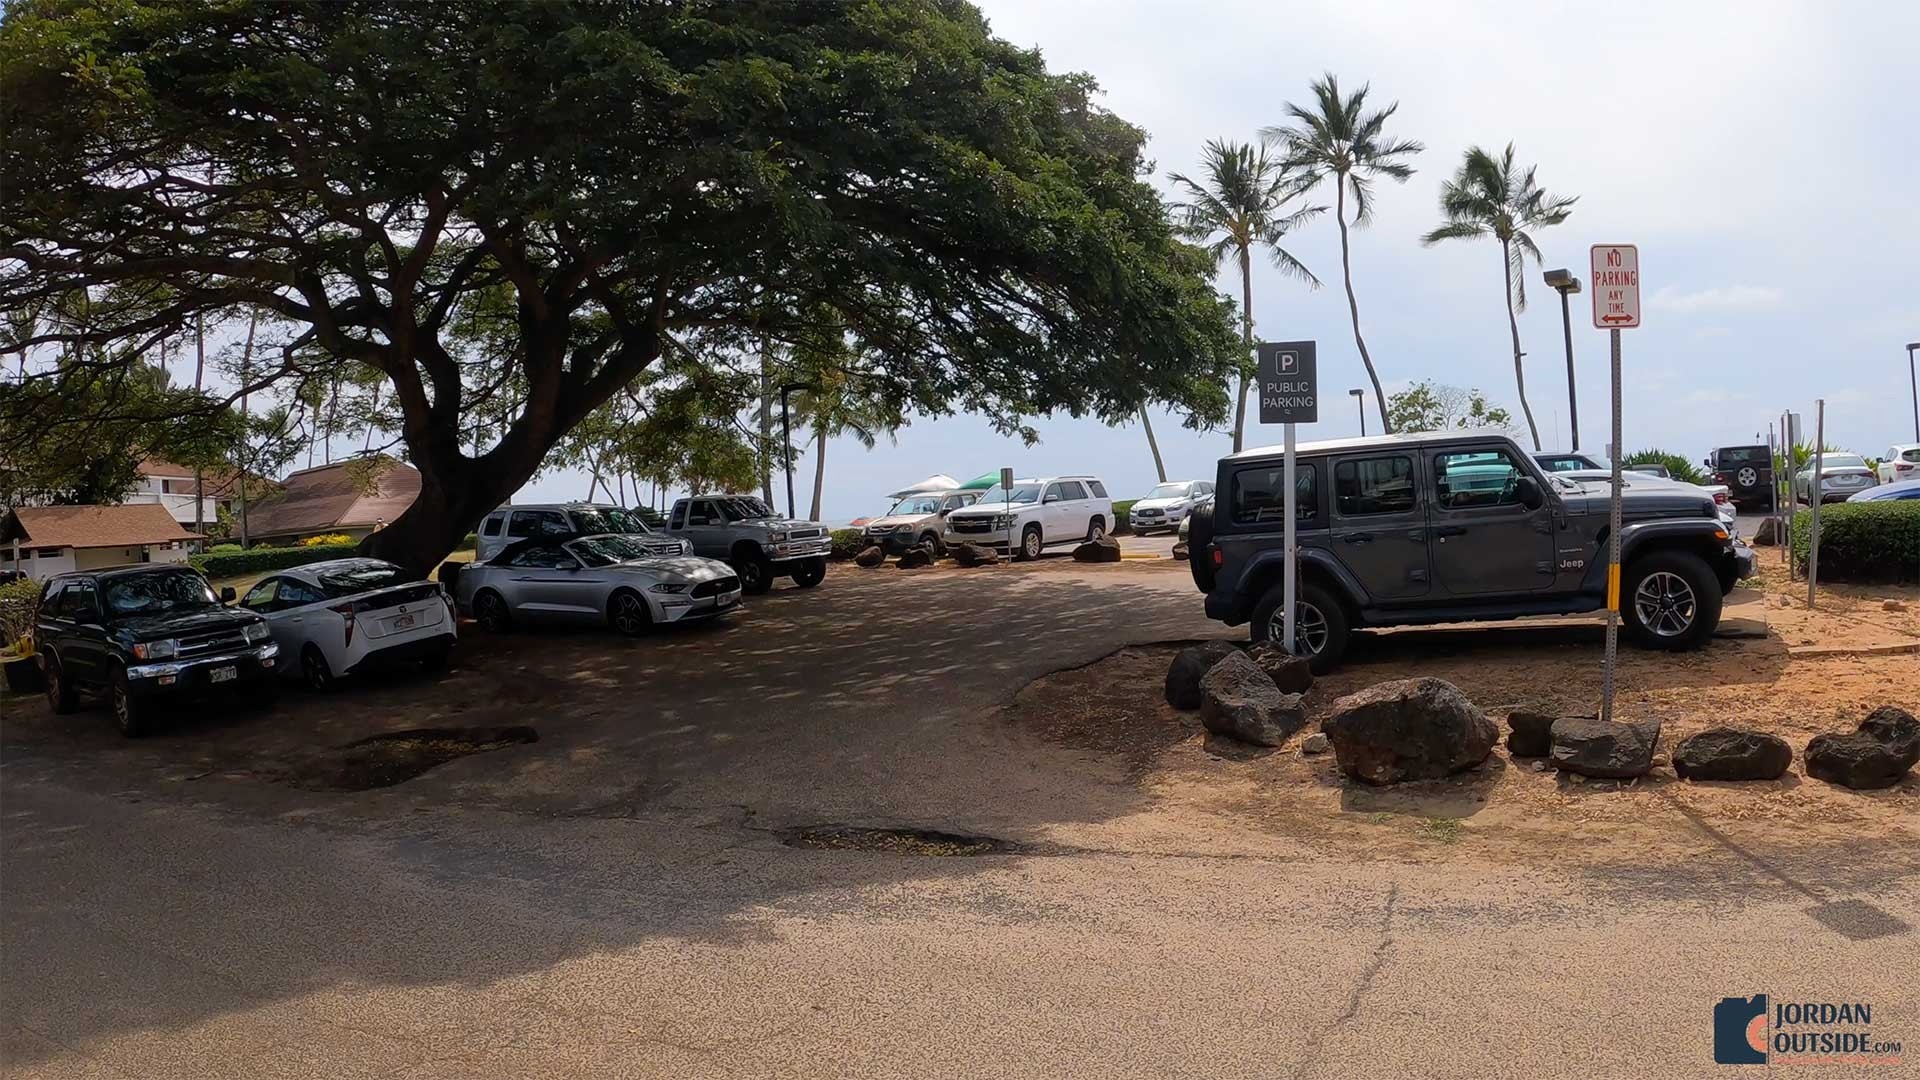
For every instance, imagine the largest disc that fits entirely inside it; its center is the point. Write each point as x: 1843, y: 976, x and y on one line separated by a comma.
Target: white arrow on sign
x: 1616, y: 286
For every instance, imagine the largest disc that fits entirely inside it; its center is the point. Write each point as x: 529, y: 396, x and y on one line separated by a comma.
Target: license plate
x: 403, y: 622
x: 223, y: 674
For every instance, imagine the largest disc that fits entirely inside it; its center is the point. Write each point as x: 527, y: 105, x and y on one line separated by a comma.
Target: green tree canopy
x: 1431, y: 406
x: 631, y: 174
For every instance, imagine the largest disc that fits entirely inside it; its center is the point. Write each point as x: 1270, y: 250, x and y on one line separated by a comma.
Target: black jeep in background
x: 1748, y: 473
x: 1401, y: 530
x: 140, y: 634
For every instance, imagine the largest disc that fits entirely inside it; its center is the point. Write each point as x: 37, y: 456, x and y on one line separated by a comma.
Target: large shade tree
x: 633, y: 174
x: 1490, y: 196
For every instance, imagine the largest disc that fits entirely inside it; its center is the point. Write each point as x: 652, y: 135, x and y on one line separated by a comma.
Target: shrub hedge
x: 1863, y: 541
x: 846, y: 543
x: 262, y: 559
x: 1678, y: 465
x: 1121, y: 514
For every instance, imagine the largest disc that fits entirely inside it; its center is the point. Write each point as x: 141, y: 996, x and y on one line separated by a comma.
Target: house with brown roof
x: 354, y: 497
x: 41, y: 541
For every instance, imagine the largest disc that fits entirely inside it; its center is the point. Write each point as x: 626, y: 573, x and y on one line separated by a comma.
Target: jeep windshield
x: 606, y: 550
x: 1168, y: 491
x: 158, y: 594
x: 1022, y: 493
x: 608, y: 520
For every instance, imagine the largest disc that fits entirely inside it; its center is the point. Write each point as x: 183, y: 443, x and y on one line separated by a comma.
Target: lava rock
x: 1408, y: 729
x: 915, y: 557
x: 973, y: 555
x: 870, y: 557
x: 1103, y: 549
x: 1180, y: 550
x: 1531, y: 732
x: 1238, y: 700
x: 1292, y: 674
x: 1897, y: 728
x: 1604, y: 749
x: 1726, y: 753
x: 1856, y: 760
x: 1316, y: 743
x: 1188, y: 667
x: 1765, y: 534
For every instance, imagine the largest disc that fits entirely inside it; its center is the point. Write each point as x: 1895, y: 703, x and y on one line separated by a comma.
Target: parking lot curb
x: 1814, y: 652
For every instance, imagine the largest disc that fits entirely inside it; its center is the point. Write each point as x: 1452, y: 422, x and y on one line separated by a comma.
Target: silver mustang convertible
x: 608, y: 577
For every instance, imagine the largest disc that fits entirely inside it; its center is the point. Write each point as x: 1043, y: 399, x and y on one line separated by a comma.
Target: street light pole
x: 786, y: 437
x: 1360, y: 399
x: 1566, y: 283
x: 1913, y: 387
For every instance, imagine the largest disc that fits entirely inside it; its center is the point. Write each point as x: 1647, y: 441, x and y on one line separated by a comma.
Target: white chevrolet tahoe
x: 1034, y: 515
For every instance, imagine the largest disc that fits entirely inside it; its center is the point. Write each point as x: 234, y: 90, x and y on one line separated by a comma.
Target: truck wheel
x: 61, y: 697
x: 756, y: 574
x: 1319, y: 624
x: 1030, y: 544
x: 810, y: 572
x: 1670, y: 600
x: 129, y: 712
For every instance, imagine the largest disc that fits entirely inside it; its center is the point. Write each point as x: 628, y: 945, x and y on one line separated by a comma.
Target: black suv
x: 1452, y: 527
x: 139, y: 633
x: 1748, y: 473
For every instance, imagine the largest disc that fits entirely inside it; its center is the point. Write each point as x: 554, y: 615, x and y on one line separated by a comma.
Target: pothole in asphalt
x: 398, y: 756
x: 928, y: 842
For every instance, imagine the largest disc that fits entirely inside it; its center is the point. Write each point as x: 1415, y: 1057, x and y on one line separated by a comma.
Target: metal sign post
x: 1616, y: 306
x: 1814, y: 498
x: 1006, y: 490
x: 1289, y: 394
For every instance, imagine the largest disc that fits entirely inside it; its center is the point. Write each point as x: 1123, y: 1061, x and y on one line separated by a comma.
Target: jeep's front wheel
x: 1670, y: 600
x: 1320, y: 628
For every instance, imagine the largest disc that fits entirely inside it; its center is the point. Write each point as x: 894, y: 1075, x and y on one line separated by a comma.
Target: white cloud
x: 1719, y: 298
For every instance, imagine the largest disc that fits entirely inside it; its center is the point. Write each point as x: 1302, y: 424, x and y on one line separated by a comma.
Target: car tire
x: 62, y: 698
x: 756, y: 574
x: 930, y: 541
x: 1031, y: 544
x: 628, y: 613
x: 130, y: 714
x: 1670, y: 600
x: 1320, y: 625
x: 1199, y: 536
x: 491, y: 612
x: 315, y: 671
x: 1096, y: 528
x: 810, y: 572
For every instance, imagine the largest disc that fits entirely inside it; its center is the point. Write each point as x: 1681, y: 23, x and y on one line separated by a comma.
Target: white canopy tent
x: 936, y: 482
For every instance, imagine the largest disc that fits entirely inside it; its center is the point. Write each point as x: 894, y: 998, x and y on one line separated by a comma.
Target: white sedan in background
x: 1167, y: 505
x: 346, y: 616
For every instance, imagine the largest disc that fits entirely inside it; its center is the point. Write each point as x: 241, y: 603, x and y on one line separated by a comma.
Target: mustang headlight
x: 155, y: 650
x: 667, y: 587
x: 257, y: 631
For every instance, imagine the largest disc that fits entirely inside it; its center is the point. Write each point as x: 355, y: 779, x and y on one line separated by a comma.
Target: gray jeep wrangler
x: 759, y: 544
x: 1444, y: 527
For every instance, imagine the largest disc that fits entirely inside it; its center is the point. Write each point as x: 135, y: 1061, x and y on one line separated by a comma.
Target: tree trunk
x: 1153, y: 444
x: 333, y: 412
x: 1353, y: 306
x: 1513, y: 325
x: 372, y: 407
x: 246, y: 374
x: 766, y: 419
x: 1246, y: 346
x: 199, y: 374
x: 819, y: 472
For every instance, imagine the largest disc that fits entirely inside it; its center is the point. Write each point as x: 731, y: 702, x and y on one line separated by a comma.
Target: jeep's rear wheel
x: 1320, y: 628
x: 1670, y: 600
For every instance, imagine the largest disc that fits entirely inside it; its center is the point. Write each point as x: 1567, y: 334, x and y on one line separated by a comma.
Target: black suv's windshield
x: 158, y: 593
x: 362, y: 576
x: 606, y: 550
x: 608, y: 520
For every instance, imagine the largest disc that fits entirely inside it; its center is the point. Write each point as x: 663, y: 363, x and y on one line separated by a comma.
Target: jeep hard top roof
x: 1368, y: 442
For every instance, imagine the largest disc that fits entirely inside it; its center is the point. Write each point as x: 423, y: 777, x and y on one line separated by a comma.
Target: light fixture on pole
x: 1566, y: 284
x: 1360, y: 399
x: 1913, y: 387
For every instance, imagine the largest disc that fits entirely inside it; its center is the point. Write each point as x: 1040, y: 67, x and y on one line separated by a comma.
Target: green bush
x: 224, y: 549
x: 18, y: 599
x: 846, y: 543
x: 470, y: 542
x: 1679, y: 466
x: 1121, y: 509
x: 260, y: 560
x: 1863, y: 541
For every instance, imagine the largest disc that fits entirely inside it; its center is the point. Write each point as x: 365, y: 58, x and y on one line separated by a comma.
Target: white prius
x: 346, y: 616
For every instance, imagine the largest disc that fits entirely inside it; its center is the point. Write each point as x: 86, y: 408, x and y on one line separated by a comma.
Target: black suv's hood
x: 1639, y: 503
x: 179, y: 623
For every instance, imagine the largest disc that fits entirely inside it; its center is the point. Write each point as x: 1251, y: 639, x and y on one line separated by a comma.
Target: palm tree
x: 834, y: 405
x: 1487, y: 198
x: 1338, y: 139
x: 1159, y: 465
x: 1239, y: 205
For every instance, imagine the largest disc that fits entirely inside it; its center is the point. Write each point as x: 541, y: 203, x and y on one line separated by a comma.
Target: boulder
x: 1764, y: 535
x: 1292, y: 674
x: 1605, y: 749
x: 1897, y: 728
x: 1408, y: 729
x: 915, y: 557
x: 973, y: 555
x: 1530, y: 731
x: 1238, y: 700
x: 1188, y: 667
x: 870, y: 557
x: 1725, y: 753
x: 1876, y: 755
x: 1180, y: 550
x: 1316, y: 743
x: 1104, y: 549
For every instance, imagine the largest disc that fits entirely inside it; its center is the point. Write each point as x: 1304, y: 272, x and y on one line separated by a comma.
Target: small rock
x: 1238, y: 700
x: 870, y: 557
x: 1763, y: 536
x: 1726, y: 753
x: 1857, y: 761
x: 1576, y: 778
x: 1104, y: 549
x: 1539, y: 766
x: 1893, y: 605
x: 1292, y: 674
x: 1897, y: 728
x: 1531, y: 733
x: 1607, y: 749
x: 1180, y: 550
x: 915, y: 557
x: 1187, y: 669
x: 1408, y: 729
x: 973, y: 555
x: 1315, y: 743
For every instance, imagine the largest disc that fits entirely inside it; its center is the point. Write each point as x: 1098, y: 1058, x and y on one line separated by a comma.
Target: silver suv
x: 758, y: 543
x: 510, y: 523
x: 917, y: 519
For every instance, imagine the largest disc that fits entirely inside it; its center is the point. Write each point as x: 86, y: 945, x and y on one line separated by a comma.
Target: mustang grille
x: 715, y: 587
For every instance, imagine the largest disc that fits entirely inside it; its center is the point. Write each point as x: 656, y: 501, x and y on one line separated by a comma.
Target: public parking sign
x: 1289, y: 383
x: 1616, y: 286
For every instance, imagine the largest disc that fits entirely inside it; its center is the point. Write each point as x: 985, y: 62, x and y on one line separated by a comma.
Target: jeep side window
x: 1476, y: 479
x: 1259, y: 494
x: 1382, y: 485
x: 491, y: 526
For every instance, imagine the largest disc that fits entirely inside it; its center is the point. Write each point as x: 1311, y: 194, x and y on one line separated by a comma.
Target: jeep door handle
x: 1358, y: 538
x: 1444, y: 531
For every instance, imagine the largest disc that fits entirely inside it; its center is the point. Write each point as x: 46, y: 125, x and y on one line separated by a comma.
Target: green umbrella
x: 982, y: 482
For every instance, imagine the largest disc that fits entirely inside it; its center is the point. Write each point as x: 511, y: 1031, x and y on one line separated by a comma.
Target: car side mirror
x: 1051, y: 498
x: 1529, y: 493
x: 227, y: 595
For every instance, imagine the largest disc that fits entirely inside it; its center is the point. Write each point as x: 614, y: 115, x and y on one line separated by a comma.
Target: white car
x: 1841, y: 475
x: 1900, y: 462
x: 1036, y: 514
x: 345, y: 616
x: 509, y: 523
x: 1167, y: 505
x: 1720, y: 493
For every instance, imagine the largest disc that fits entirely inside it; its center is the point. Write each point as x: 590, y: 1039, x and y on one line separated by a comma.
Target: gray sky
x: 1762, y: 156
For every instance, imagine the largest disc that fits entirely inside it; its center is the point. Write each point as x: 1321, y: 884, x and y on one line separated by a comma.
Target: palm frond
x: 1289, y: 266
x: 1454, y: 230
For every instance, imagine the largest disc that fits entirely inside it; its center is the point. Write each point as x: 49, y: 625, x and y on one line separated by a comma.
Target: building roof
x: 92, y: 526
x: 358, y: 493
